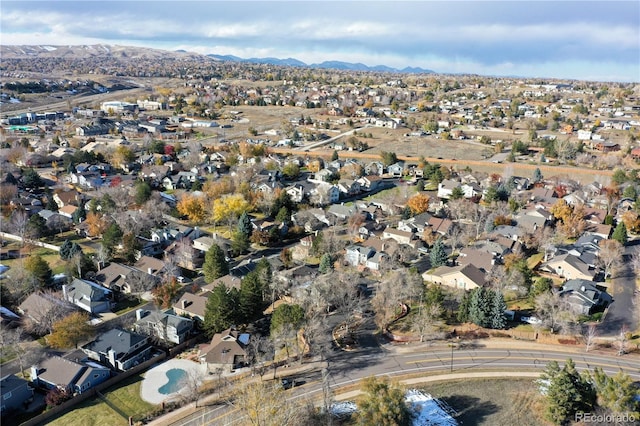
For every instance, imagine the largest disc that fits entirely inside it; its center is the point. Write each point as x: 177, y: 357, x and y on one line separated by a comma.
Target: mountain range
x: 134, y: 52
x: 347, y: 66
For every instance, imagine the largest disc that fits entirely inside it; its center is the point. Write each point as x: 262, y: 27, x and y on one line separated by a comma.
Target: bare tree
x: 190, y: 385
x: 589, y: 334
x: 265, y: 404
x: 19, y: 343
x: 621, y: 342
x: 18, y: 224
x: 47, y: 311
x: 426, y: 322
x: 397, y: 287
x: 555, y: 312
x: 139, y: 282
x: 610, y: 256
x: 259, y: 352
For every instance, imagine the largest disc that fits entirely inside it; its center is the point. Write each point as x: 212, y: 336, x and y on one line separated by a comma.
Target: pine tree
x: 251, y: 296
x: 215, y: 264
x: 438, y: 256
x: 80, y: 214
x: 537, y: 175
x: 463, y: 309
x: 326, y: 264
x: 479, y: 307
x: 498, y: 306
x: 69, y: 249
x: 244, y: 225
x: 220, y: 310
x: 620, y: 233
x: 567, y: 392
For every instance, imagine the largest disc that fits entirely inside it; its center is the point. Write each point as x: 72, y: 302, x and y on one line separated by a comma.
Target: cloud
x: 448, y: 36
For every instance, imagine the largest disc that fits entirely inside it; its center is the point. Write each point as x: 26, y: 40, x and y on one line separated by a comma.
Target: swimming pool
x: 175, y: 375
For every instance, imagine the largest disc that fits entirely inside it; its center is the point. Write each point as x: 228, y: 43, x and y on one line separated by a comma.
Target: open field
x: 491, y: 401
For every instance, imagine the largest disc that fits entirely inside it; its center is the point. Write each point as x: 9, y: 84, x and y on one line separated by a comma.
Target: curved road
x: 348, y: 368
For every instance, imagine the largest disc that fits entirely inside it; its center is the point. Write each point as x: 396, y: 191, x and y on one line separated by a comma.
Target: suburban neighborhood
x: 275, y: 218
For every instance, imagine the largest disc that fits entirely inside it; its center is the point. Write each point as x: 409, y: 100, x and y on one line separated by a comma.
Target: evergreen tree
x: 39, y: 270
x: 382, y: 404
x: 143, y: 192
x: 498, y: 306
x: 215, y: 264
x: 239, y: 243
x: 567, y: 392
x: 36, y: 226
x: 111, y: 237
x: 80, y: 214
x: 620, y: 233
x: 438, y: 256
x: 326, y: 264
x: 616, y: 393
x: 220, y: 310
x: 456, y: 193
x: 334, y: 155
x: 69, y: 249
x: 537, y: 175
x: 31, y: 179
x: 51, y: 203
x: 251, y: 302
x: 287, y: 314
x: 480, y: 302
x: 244, y: 225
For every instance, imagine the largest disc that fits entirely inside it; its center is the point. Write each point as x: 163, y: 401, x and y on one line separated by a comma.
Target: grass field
x: 491, y: 401
x: 121, y: 402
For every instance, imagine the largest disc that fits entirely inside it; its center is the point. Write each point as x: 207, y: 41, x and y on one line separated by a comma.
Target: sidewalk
x: 184, y: 411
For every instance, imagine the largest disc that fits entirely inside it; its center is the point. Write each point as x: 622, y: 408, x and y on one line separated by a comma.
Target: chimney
x: 150, y: 271
x: 583, y: 289
x: 112, y: 357
x: 141, y: 313
x: 34, y: 373
x: 185, y: 303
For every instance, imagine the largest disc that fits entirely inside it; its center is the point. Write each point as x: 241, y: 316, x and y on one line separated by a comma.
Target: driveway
x: 623, y: 312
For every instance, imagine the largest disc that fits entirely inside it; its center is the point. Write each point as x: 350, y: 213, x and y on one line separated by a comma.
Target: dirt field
x: 491, y: 402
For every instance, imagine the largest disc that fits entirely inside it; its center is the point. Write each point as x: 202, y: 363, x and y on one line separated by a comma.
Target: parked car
x: 531, y: 320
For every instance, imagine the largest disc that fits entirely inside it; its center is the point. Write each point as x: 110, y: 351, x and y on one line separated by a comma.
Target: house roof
x: 225, y: 346
x: 583, y: 292
x: 195, y: 304
x: 119, y: 340
x: 11, y: 382
x: 36, y: 305
x: 146, y: 263
x: 59, y: 371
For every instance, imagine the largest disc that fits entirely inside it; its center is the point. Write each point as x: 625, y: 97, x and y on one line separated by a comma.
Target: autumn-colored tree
x: 96, y: 224
x: 165, y: 295
x: 561, y: 210
x: 501, y: 220
x: 419, y: 203
x: 229, y: 207
x: 70, y: 331
x: 631, y: 221
x: 193, y: 207
x: 122, y: 155
x: 216, y: 189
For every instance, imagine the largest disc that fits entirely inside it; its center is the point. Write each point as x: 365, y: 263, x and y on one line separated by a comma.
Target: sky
x: 584, y: 40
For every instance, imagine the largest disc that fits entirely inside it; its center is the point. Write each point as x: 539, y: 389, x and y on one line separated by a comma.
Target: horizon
x: 592, y: 40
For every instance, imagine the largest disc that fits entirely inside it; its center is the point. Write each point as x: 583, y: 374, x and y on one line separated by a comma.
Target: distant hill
x: 90, y: 51
x: 132, y: 52
x: 326, y: 64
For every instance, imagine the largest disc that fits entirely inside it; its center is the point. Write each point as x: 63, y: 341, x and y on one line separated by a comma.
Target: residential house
x: 376, y: 262
x: 466, y: 277
x: 192, y: 305
x: 125, y: 279
x: 483, y: 260
x: 402, y: 237
x: 227, y: 350
x: 325, y: 193
x: 163, y: 326
x: 88, y: 296
x: 569, y: 266
x: 370, y: 183
x: 348, y: 187
x: 119, y: 349
x: 16, y: 394
x: 296, y: 192
x: 67, y: 375
x: 38, y: 305
x: 446, y: 187
x: 374, y: 168
x: 584, y: 297
x: 357, y: 254
x: 396, y: 170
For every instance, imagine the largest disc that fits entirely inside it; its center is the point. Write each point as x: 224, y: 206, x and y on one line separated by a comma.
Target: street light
x: 452, y: 346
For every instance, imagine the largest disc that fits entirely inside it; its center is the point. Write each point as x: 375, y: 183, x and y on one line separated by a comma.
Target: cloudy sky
x: 594, y: 40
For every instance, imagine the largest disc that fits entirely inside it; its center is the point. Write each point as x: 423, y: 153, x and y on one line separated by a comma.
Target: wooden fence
x: 92, y: 393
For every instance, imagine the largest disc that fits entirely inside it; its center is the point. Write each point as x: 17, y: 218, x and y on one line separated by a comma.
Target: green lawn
x: 491, y: 401
x: 124, y: 399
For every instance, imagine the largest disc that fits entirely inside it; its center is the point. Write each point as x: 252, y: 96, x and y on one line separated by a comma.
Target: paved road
x: 623, y: 312
x: 347, y: 368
